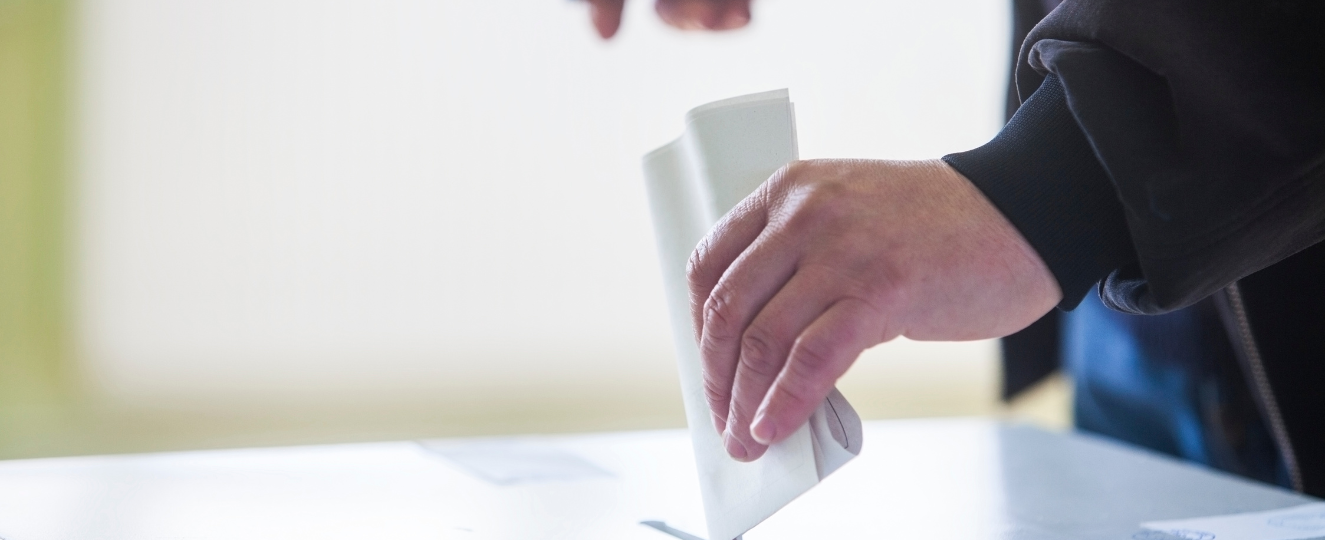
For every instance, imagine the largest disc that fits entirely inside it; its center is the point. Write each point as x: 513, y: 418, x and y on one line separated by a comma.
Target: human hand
x: 828, y: 258
x: 683, y: 14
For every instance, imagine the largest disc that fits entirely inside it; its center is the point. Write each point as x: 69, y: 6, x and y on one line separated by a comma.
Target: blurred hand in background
x: 683, y: 14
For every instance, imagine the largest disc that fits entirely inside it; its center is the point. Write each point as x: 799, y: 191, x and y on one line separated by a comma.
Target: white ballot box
x: 931, y: 479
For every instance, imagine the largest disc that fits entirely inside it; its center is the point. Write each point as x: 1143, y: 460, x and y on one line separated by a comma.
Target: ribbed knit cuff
x: 1042, y: 174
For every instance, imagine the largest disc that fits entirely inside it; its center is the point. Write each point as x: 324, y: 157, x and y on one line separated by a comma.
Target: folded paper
x: 728, y: 149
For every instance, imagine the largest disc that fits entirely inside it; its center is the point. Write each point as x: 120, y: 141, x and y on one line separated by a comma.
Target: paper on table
x: 1295, y: 523
x: 508, y: 463
x: 728, y: 149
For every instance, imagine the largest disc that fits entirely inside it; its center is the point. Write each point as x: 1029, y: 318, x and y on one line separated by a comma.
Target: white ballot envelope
x: 728, y: 149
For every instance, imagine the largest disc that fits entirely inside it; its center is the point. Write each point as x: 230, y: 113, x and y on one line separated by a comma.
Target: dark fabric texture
x: 1209, y: 118
x: 1025, y: 15
x: 1041, y: 173
x: 1206, y: 120
x: 1285, y: 306
x: 1031, y: 354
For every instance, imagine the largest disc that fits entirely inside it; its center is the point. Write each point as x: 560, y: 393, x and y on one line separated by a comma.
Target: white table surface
x: 932, y: 479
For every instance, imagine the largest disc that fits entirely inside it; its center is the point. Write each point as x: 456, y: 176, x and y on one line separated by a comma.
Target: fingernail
x: 734, y: 19
x: 763, y: 429
x: 734, y: 447
x: 712, y: 20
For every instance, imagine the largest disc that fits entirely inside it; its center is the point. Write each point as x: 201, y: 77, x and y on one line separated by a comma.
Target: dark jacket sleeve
x: 1204, y: 122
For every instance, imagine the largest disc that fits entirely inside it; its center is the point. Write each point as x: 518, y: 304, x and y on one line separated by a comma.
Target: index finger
x: 709, y: 266
x: 720, y: 248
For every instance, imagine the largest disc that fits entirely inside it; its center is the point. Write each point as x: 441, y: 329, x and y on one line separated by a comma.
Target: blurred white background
x: 305, y: 220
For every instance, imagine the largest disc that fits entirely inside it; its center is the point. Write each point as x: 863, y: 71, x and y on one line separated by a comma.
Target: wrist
x: 1042, y: 174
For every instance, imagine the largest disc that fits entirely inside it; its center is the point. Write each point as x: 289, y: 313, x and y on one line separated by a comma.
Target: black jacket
x: 1174, y: 150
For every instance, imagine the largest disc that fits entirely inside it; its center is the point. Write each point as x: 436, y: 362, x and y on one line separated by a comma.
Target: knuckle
x: 716, y: 393
x: 829, y: 199
x: 758, y: 354
x: 697, y: 273
x: 799, y: 392
x: 786, y: 173
x: 822, y: 206
x: 743, y: 411
x: 719, y: 318
x: 785, y: 180
x: 883, y: 298
x: 812, y: 355
x: 808, y: 374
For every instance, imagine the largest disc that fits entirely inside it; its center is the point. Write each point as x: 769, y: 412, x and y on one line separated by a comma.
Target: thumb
x: 606, y: 15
